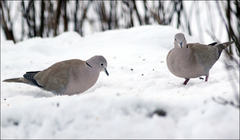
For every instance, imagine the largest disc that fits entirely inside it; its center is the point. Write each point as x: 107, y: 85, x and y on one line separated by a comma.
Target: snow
x: 120, y: 105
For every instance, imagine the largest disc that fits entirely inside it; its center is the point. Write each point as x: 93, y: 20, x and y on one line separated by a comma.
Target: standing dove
x: 66, y: 77
x: 193, y: 60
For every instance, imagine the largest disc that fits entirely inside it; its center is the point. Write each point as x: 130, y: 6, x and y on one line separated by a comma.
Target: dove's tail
x: 223, y: 46
x: 28, y: 78
x: 16, y: 80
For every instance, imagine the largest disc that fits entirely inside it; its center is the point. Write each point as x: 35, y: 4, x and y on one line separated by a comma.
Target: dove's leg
x: 206, y: 78
x: 186, y: 81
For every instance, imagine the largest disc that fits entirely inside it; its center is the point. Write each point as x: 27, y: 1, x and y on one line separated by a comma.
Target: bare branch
x: 56, y: 17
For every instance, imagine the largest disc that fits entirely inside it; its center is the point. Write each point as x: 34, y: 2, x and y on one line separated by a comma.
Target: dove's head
x: 99, y: 63
x: 180, y: 41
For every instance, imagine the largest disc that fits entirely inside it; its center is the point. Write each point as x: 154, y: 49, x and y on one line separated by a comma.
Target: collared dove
x: 193, y: 60
x: 66, y: 77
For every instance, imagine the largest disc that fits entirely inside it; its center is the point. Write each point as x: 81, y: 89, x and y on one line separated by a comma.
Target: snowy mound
x: 139, y: 99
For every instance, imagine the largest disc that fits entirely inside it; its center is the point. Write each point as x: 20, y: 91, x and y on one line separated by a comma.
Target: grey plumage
x: 193, y: 60
x: 66, y: 77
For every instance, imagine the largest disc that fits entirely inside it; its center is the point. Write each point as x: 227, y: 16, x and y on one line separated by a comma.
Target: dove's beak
x: 180, y: 44
x: 106, y: 71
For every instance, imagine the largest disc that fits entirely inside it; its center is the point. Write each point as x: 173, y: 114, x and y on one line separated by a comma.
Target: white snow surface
x: 119, y: 105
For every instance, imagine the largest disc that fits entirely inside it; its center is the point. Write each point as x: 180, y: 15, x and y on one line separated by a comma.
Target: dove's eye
x: 101, y: 64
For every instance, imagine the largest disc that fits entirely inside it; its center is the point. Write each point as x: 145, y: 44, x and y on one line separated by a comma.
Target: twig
x: 225, y: 102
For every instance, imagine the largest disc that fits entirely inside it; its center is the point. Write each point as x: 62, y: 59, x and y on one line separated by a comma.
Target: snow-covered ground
x: 120, y: 105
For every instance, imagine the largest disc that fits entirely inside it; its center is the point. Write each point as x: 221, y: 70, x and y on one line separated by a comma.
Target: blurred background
x: 207, y: 20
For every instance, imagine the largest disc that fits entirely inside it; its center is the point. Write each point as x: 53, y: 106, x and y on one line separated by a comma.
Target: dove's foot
x: 206, y: 78
x: 186, y: 81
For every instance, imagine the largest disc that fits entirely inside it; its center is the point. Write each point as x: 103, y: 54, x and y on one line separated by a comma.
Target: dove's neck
x: 185, y: 53
x: 93, y: 67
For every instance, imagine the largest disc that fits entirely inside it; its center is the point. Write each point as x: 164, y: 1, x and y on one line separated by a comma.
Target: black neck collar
x: 88, y: 64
